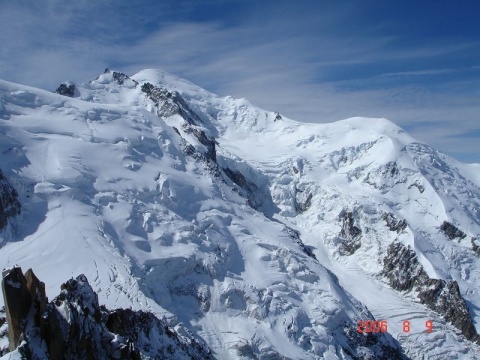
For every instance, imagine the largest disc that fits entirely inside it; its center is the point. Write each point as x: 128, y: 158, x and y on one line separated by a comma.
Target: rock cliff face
x: 9, y: 204
x: 350, y: 234
x: 169, y: 103
x: 394, y: 224
x: 21, y: 294
x: 75, y: 326
x: 405, y: 273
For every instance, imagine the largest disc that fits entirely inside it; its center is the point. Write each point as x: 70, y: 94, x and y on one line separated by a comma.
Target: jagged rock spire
x: 20, y: 293
x: 75, y: 326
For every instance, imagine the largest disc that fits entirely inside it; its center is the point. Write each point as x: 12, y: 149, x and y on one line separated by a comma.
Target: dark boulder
x: 451, y: 231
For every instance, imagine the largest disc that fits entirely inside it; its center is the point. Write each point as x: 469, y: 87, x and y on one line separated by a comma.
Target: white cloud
x: 277, y: 62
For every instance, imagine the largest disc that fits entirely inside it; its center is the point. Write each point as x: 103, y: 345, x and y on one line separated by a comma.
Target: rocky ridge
x: 74, y: 326
x: 405, y: 273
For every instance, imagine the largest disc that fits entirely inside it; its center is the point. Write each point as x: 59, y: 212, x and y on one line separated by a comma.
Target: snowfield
x: 263, y: 236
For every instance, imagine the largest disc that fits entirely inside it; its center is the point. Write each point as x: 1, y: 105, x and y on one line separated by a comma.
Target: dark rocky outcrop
x: 402, y: 268
x: 9, y: 204
x: 66, y: 89
x: 349, y: 234
x: 303, y: 200
x: 390, y: 169
x: 475, y: 247
x: 238, y: 178
x: 349, y: 230
x: 295, y: 236
x: 169, y: 103
x: 209, y: 143
x: 75, y: 326
x: 420, y: 187
x: 445, y: 298
x: 370, y: 346
x: 249, y: 183
x: 387, y: 176
x: 121, y: 77
x: 207, y: 159
x: 451, y: 231
x: 132, y: 326
x: 393, y: 223
x: 3, y: 317
x: 3, y: 332
x: 405, y: 273
x: 249, y: 187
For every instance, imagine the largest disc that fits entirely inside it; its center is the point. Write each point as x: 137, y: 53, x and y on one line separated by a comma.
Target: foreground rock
x: 75, y: 326
x: 21, y: 293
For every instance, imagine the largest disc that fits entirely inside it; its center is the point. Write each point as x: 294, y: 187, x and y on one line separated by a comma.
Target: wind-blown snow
x: 107, y: 190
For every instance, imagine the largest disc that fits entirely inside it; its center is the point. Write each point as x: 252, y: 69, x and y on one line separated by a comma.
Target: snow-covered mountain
x: 262, y: 236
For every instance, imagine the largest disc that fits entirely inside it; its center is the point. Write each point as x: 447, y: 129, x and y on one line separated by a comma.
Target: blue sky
x: 416, y: 63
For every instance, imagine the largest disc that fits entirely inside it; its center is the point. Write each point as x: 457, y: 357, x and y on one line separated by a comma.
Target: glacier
x: 263, y: 236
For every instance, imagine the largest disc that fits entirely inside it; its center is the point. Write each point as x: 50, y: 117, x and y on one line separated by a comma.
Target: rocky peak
x: 120, y: 77
x: 114, y: 78
x: 75, y: 326
x: 66, y: 89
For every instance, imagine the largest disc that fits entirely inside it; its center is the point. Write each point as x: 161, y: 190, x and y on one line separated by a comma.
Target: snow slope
x: 197, y: 208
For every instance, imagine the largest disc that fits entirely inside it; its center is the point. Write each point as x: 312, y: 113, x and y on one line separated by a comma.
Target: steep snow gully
x: 237, y: 227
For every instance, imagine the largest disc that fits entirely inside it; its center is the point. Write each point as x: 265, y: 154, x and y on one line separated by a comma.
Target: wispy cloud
x: 316, y: 63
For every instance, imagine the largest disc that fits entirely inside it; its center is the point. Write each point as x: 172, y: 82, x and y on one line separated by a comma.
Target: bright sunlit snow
x: 107, y: 190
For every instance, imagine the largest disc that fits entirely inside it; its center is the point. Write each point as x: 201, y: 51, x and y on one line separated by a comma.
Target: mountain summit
x: 261, y: 236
